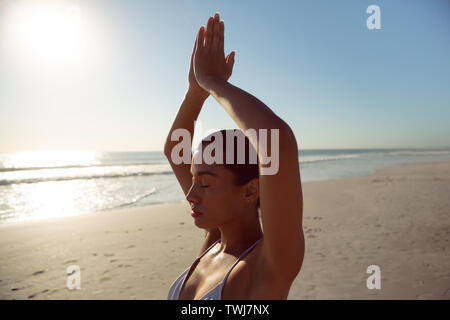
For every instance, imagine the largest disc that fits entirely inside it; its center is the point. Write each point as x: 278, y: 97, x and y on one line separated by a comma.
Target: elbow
x: 168, y: 145
x: 168, y: 152
x: 167, y: 149
x: 284, y: 129
x: 287, y: 138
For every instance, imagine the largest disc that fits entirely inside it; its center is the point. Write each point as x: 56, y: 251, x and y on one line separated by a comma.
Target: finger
x: 215, y: 44
x: 227, y: 58
x: 233, y: 54
x: 221, y: 37
x: 194, y: 49
x: 230, y: 60
x: 199, y: 41
x: 195, y: 42
x: 209, y: 34
x: 230, y: 63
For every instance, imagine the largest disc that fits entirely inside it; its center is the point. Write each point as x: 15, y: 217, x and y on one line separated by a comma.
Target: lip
x: 195, y: 213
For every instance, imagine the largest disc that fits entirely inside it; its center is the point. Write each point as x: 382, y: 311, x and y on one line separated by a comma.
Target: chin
x: 199, y: 224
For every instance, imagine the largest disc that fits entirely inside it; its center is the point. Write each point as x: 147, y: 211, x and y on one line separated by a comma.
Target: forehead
x: 214, y: 170
x: 211, y: 170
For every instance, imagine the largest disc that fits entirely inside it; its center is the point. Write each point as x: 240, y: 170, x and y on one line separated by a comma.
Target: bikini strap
x: 239, y: 259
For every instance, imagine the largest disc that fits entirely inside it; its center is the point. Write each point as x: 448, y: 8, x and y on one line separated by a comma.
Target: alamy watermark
x: 374, y: 20
x: 74, y: 278
x: 373, y: 281
x: 269, y: 165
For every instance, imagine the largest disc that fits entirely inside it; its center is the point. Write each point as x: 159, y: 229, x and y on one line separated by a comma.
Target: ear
x: 251, y: 190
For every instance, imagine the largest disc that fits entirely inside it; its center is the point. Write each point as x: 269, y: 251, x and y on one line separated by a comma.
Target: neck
x: 238, y: 235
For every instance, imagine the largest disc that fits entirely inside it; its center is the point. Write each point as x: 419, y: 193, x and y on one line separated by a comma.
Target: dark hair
x: 243, y: 172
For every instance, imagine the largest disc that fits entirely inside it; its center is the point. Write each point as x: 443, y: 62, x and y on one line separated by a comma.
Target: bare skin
x: 229, y: 212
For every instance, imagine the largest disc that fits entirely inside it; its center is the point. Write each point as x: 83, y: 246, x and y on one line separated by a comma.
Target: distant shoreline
x: 143, y: 206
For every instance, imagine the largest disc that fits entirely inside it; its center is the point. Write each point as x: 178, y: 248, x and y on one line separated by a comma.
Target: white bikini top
x: 214, y: 294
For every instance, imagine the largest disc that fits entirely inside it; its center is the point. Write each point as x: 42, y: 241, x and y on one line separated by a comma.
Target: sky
x: 109, y: 75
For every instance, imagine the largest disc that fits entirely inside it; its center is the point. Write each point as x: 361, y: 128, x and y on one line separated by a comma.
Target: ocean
x: 51, y: 184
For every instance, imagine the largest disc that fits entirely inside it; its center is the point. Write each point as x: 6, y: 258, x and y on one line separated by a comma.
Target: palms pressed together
x: 208, y: 61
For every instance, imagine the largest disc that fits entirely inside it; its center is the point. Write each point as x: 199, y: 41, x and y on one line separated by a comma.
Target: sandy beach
x: 397, y: 219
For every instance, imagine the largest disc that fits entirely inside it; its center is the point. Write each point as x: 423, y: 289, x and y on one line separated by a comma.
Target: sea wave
x: 317, y: 158
x: 98, y: 172
x: 417, y: 153
x: 136, y: 199
x: 8, y: 169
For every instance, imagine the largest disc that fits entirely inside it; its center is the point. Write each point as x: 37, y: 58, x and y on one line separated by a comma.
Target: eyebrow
x: 199, y: 173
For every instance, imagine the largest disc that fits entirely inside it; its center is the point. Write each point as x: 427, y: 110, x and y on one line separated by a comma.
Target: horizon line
x: 316, y: 149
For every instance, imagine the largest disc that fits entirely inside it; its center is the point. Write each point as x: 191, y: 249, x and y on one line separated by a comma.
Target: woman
x: 237, y: 260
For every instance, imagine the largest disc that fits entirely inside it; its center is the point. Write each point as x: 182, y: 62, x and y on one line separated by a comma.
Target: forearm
x: 187, y: 114
x: 245, y: 109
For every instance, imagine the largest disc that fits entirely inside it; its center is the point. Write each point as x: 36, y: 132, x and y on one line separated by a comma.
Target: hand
x: 194, y: 88
x: 209, y: 61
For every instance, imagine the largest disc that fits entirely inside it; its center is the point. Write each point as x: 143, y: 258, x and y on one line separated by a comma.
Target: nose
x: 192, y: 196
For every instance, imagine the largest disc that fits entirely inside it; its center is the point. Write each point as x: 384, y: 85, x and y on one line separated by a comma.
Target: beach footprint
x: 124, y: 265
x: 38, y: 272
x: 70, y: 261
x: 17, y: 288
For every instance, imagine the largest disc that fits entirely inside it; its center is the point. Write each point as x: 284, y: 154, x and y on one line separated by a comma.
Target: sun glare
x: 50, y: 158
x: 48, y: 33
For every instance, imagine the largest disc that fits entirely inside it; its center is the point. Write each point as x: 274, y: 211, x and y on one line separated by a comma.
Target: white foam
x: 316, y: 158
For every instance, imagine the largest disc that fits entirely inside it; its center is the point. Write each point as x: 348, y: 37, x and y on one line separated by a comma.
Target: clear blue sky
x: 315, y: 63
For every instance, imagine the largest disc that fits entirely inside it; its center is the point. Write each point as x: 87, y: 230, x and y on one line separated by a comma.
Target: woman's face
x: 214, y: 194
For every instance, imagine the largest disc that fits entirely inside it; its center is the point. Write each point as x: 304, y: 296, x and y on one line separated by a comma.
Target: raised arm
x: 281, y: 200
x: 187, y: 114
x: 185, y: 118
